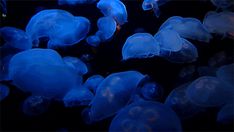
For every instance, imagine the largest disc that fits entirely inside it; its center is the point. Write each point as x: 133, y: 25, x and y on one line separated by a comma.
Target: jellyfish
x: 106, y: 29
x: 146, y: 116
x: 35, y: 105
x: 153, y: 5
x: 4, y: 91
x: 59, y: 26
x: 75, y: 2
x: 76, y: 64
x: 112, y: 94
x: 3, y: 8
x: 115, y: 9
x: 16, y: 38
x: 189, y: 28
x: 220, y: 23
x: 226, y: 74
x: 93, y: 82
x: 139, y: 30
x: 226, y: 115
x: 209, y: 91
x: 140, y: 45
x: 223, y: 4
x: 180, y: 103
x: 81, y: 96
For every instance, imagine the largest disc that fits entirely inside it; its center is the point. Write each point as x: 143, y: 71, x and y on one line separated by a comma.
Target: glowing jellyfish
x: 93, y: 82
x: 35, y: 105
x: 3, y: 8
x: 112, y: 94
x: 76, y: 64
x: 153, y: 5
x: 78, y: 97
x: 75, y: 2
x: 61, y: 27
x: 226, y: 74
x: 209, y: 91
x: 106, y: 29
x: 140, y: 45
x: 146, y: 116
x: 4, y: 91
x: 115, y: 9
x: 220, y: 23
x: 223, y: 4
x: 190, y: 28
x: 226, y: 115
x: 16, y: 38
x: 179, y: 102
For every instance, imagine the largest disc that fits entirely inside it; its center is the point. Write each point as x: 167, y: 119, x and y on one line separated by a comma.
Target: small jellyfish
x: 140, y: 45
x: 226, y: 74
x: 112, y: 94
x: 209, y: 91
x: 223, y: 4
x: 4, y: 91
x: 93, y: 82
x: 146, y: 116
x: 3, y: 5
x: 153, y: 5
x: 16, y: 38
x: 189, y: 28
x: 75, y: 2
x: 106, y: 29
x: 220, y: 23
x: 35, y: 105
x: 226, y: 115
x: 61, y: 27
x: 115, y: 9
x: 76, y: 64
x: 78, y: 97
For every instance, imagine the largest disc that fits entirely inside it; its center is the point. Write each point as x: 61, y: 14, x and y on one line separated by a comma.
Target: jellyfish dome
x: 115, y: 9
x: 189, y: 28
x: 93, y: 82
x: 75, y: 2
x: 113, y: 93
x: 16, y: 38
x: 153, y: 5
x: 209, y: 91
x: 61, y: 27
x: 146, y: 116
x: 223, y: 4
x: 226, y: 115
x: 226, y: 74
x: 4, y: 91
x: 140, y: 45
x: 76, y: 64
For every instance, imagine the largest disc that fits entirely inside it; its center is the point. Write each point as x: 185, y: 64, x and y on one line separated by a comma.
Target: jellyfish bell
x: 76, y: 64
x: 153, y: 5
x: 4, y: 91
x: 93, y: 82
x: 223, y: 4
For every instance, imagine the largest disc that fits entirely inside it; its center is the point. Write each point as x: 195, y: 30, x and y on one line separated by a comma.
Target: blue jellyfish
x: 35, y: 105
x: 78, y: 97
x: 75, y: 2
x: 3, y: 8
x: 180, y: 103
x: 153, y: 5
x: 76, y: 64
x: 223, y: 4
x: 16, y: 38
x: 93, y: 82
x: 112, y: 94
x: 4, y: 91
x: 140, y: 45
x: 220, y: 23
x: 226, y: 115
x: 145, y: 116
x: 190, y: 28
x: 226, y: 74
x: 115, y: 9
x: 61, y: 27
x: 209, y: 91
x: 106, y: 29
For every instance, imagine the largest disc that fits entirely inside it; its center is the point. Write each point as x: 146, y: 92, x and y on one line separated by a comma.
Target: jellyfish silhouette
x: 140, y: 45
x: 3, y: 8
x: 78, y: 97
x: 153, y: 5
x: 146, y: 116
x: 35, y: 105
x: 76, y: 64
x: 223, y: 4
x: 16, y: 38
x: 75, y: 2
x: 226, y: 74
x: 209, y: 91
x: 4, y: 91
x: 220, y: 23
x: 106, y: 29
x: 190, y: 28
x: 93, y: 82
x: 112, y: 94
x: 115, y: 9
x: 225, y: 115
x: 61, y: 27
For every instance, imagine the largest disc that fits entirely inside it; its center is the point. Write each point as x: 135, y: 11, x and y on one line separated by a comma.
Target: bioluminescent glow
x: 4, y: 91
x: 153, y: 5
x: 76, y: 64
x: 93, y: 82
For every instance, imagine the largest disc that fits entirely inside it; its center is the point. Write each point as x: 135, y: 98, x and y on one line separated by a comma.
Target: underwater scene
x: 117, y: 65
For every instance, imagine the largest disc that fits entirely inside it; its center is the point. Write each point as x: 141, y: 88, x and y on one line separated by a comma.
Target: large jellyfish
x: 226, y: 74
x: 106, y: 29
x: 75, y: 2
x: 16, y: 38
x: 112, y: 94
x: 61, y: 27
x: 145, y: 116
x: 223, y: 4
x: 209, y: 91
x: 115, y: 9
x: 92, y: 82
x: 226, y: 115
x: 153, y: 5
x: 140, y: 45
x: 4, y: 91
x: 76, y: 64
x: 220, y: 23
x: 190, y: 28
